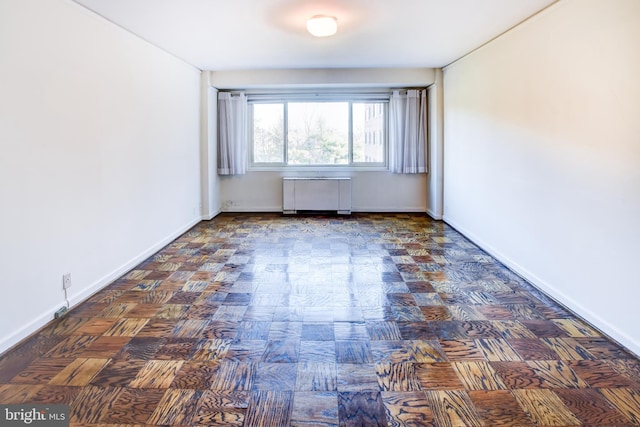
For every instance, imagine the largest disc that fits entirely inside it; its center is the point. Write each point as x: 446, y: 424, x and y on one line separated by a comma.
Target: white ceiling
x: 263, y: 34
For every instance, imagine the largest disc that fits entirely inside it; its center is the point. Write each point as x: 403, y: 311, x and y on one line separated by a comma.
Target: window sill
x: 318, y: 169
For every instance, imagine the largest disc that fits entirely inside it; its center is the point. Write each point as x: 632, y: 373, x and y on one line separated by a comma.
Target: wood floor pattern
x: 367, y: 320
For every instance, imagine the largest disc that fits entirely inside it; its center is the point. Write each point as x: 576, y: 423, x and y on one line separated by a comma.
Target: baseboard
x: 17, y: 336
x: 125, y: 268
x: 209, y: 216
x: 41, y: 321
x: 253, y: 209
x: 434, y: 215
x: 363, y: 209
x: 395, y: 209
x: 564, y: 300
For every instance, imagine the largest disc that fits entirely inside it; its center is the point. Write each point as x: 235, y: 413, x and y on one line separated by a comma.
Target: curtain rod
x: 326, y: 96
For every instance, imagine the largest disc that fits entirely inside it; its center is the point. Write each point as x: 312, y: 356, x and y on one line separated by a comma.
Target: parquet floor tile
x: 453, y: 408
x: 591, y: 407
x: 367, y: 320
x: 364, y: 408
x: 407, y: 409
x: 315, y: 409
x: 545, y: 408
x: 499, y: 408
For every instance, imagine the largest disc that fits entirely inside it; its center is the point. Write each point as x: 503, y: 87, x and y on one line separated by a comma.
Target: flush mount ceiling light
x: 322, y: 25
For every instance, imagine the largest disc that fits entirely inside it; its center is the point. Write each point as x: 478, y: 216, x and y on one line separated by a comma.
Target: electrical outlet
x: 66, y: 281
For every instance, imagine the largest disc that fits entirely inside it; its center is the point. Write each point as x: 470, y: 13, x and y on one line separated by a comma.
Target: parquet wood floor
x: 367, y: 320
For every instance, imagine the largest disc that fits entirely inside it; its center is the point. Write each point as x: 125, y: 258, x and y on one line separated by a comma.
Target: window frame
x: 285, y: 99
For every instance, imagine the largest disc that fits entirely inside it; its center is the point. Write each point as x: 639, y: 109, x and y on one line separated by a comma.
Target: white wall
x: 322, y: 77
x: 261, y: 191
x: 372, y: 191
x: 99, y: 168
x: 542, y: 156
x: 209, y: 184
x: 435, y: 180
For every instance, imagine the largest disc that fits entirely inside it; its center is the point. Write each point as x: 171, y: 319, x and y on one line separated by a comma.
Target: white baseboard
x: 209, y: 216
x: 123, y: 269
x: 254, y: 209
x: 399, y: 209
x: 569, y: 303
x: 16, y: 336
x: 434, y: 215
x: 363, y: 209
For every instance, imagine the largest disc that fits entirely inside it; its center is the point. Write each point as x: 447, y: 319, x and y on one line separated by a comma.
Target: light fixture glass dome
x: 322, y: 26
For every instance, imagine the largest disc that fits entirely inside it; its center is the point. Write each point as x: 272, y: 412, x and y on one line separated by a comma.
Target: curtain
x: 232, y: 134
x: 408, y: 131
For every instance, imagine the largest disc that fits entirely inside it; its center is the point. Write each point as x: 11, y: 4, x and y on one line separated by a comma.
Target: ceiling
x: 266, y: 34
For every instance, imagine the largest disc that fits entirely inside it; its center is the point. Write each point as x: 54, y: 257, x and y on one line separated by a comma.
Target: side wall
x: 542, y: 156
x: 210, y: 183
x: 100, y: 156
x: 436, y: 148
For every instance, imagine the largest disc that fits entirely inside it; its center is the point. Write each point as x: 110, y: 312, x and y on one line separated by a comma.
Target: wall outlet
x: 66, y: 281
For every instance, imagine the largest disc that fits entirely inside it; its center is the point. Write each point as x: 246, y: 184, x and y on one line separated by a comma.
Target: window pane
x: 318, y: 133
x: 268, y: 133
x: 368, y: 132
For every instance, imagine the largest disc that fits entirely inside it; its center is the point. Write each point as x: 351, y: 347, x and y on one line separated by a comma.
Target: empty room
x: 320, y: 212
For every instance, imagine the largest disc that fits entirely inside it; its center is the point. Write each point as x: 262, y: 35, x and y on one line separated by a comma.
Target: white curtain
x: 232, y: 134
x: 408, y: 131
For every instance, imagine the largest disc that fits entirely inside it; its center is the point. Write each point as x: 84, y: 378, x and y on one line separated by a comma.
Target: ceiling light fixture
x: 322, y: 25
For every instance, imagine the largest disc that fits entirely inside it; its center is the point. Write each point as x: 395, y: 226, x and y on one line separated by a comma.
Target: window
x: 301, y: 133
x: 268, y: 133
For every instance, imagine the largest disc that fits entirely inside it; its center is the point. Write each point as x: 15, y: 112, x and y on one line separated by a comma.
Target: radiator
x: 316, y: 194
